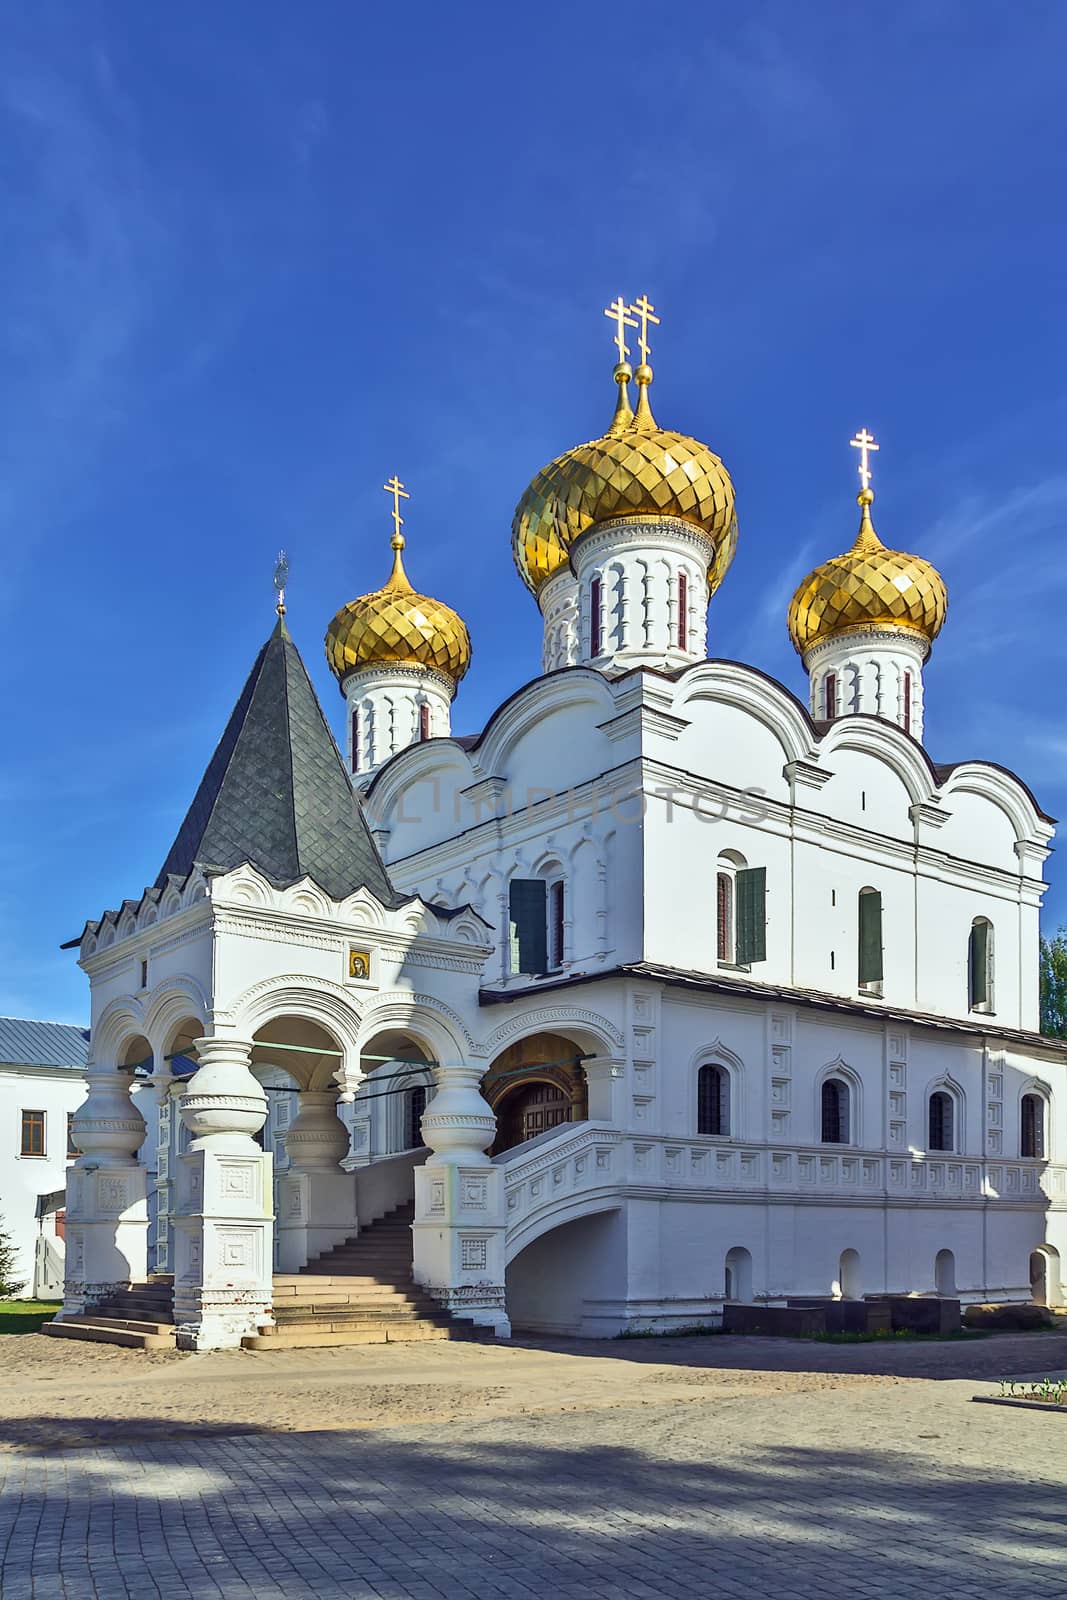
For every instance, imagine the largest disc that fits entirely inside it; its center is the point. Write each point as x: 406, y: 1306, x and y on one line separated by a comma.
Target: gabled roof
x: 25, y: 1043
x: 276, y: 793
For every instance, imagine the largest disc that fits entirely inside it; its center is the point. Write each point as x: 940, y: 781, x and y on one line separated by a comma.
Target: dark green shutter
x: 979, y: 964
x: 527, y: 910
x: 870, y: 937
x: 750, y: 886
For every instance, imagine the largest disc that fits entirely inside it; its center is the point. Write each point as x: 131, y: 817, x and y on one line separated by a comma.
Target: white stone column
x: 223, y: 1216
x: 107, y: 1206
x: 316, y: 1197
x: 459, y: 1203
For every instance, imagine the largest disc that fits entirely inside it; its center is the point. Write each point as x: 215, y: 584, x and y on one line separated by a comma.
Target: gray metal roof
x: 24, y: 1043
x: 276, y: 793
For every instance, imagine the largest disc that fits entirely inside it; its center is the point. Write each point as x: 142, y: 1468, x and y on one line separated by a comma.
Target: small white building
x: 42, y: 1084
x: 666, y: 988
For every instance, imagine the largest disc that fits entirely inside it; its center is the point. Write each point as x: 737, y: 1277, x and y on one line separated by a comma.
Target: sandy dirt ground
x: 54, y: 1393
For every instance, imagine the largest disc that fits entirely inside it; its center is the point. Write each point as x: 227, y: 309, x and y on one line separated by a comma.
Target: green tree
x: 1054, y: 984
x: 8, y: 1284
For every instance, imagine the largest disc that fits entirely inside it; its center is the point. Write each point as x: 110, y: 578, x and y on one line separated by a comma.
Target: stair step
x: 298, y: 1339
x: 96, y: 1319
x: 103, y: 1333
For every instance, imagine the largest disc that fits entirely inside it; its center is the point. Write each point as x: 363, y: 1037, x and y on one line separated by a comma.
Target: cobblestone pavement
x: 887, y: 1487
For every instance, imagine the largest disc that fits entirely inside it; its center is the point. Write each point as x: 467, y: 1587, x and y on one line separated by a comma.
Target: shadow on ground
x: 370, y: 1514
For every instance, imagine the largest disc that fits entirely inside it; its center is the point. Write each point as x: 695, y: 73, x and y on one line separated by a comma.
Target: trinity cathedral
x: 663, y: 990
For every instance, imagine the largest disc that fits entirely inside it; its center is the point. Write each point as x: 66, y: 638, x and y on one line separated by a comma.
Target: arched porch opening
x: 398, y: 1086
x: 534, y: 1085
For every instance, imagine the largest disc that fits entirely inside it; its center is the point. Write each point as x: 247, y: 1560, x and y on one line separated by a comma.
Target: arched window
x: 424, y: 721
x: 683, y: 611
x: 829, y: 693
x: 537, y: 921
x: 906, y: 718
x: 355, y: 739
x: 980, y: 965
x: 595, y: 615
x: 556, y: 923
x: 738, y: 1276
x: 942, y: 1119
x: 414, y: 1106
x: 835, y: 1111
x: 740, y: 911
x: 1032, y: 1131
x: 713, y: 1100
x: 870, y: 940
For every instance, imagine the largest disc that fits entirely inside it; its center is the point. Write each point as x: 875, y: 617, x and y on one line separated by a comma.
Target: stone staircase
x: 140, y: 1317
x: 361, y: 1292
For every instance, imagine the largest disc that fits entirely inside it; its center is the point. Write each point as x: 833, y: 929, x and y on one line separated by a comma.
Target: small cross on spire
x: 619, y: 312
x: 864, y: 443
x: 645, y: 310
x: 398, y: 492
x: 281, y: 580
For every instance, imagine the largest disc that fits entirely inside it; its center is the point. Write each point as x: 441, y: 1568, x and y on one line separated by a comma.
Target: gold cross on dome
x: 645, y: 310
x: 864, y: 443
x: 619, y: 312
x: 398, y: 492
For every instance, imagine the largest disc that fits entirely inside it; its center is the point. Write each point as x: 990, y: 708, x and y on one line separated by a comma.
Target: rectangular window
x: 355, y: 740
x: 683, y: 611
x: 32, y: 1143
x: 1033, y: 1126
x: 72, y: 1148
x: 978, y: 960
x: 830, y: 696
x: 424, y: 722
x: 555, y: 913
x: 528, y: 925
x: 750, y: 942
x: 144, y: 974
x: 907, y: 702
x: 870, y: 937
x: 595, y: 639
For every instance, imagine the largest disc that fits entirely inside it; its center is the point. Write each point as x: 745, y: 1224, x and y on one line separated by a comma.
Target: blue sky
x: 257, y: 257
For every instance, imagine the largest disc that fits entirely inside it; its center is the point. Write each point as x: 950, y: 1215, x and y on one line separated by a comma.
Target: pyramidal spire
x: 276, y: 794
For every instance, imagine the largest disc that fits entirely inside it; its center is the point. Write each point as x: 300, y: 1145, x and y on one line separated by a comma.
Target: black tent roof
x: 276, y: 793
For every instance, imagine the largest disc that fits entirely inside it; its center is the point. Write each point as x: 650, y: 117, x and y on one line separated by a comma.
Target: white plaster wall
x: 23, y: 1178
x: 557, y: 1284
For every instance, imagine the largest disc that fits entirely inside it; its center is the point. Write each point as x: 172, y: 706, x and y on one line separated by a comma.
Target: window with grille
x: 414, y: 1106
x: 835, y: 1112
x: 556, y: 927
x: 713, y: 1100
x: 1032, y: 1142
x: 32, y: 1141
x: 942, y: 1118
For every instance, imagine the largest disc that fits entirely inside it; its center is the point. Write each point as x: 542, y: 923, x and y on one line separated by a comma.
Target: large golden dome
x: 868, y: 587
x: 394, y: 626
x: 636, y: 469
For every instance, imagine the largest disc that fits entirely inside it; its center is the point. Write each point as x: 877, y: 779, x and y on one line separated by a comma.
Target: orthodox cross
x: 645, y: 310
x: 619, y: 312
x: 398, y: 492
x: 281, y: 579
x: 864, y: 443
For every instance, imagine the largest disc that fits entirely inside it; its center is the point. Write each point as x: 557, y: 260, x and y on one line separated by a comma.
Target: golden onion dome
x: 868, y: 587
x: 395, y: 626
x: 636, y: 469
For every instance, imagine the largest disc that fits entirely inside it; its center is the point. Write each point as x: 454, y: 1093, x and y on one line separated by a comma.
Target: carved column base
x: 107, y: 1232
x: 459, y: 1240
x: 316, y: 1211
x: 223, y: 1244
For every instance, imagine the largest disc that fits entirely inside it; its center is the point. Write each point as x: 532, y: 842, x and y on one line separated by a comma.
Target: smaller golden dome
x: 636, y: 469
x: 868, y: 587
x: 394, y: 626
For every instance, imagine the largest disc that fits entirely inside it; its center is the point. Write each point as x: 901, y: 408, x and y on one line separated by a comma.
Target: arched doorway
x: 397, y: 1089
x: 738, y: 1275
x: 533, y: 1086
x: 849, y: 1285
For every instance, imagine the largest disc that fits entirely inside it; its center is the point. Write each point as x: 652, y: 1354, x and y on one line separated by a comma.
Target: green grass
x: 896, y: 1336
x: 694, y: 1330
x: 26, y: 1316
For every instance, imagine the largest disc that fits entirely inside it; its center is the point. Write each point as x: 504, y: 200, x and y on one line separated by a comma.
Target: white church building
x: 665, y: 989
